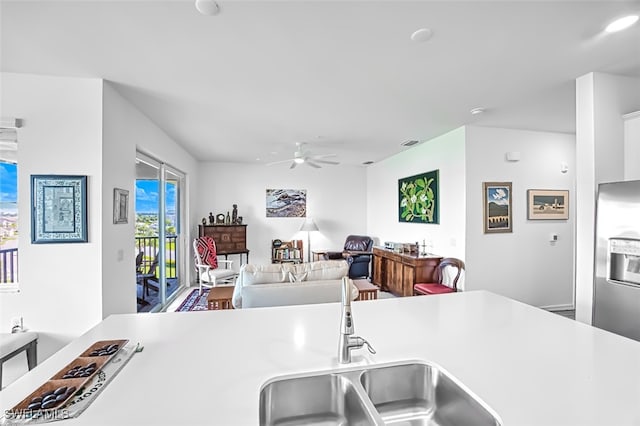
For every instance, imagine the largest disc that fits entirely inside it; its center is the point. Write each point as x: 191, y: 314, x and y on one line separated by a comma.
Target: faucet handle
x: 369, y: 347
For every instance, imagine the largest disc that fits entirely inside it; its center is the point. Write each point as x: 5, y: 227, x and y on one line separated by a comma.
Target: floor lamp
x: 308, y: 226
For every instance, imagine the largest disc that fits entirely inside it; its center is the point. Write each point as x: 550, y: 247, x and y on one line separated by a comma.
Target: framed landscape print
x: 497, y: 206
x: 547, y: 204
x: 418, y: 198
x: 58, y: 209
x: 286, y: 202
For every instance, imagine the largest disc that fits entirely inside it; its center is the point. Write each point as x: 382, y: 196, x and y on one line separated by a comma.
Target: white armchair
x: 207, y: 264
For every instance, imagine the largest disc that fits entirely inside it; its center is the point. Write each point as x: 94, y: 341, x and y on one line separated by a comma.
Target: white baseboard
x: 558, y: 307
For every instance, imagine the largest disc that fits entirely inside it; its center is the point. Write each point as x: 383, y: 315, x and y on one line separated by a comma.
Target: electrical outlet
x: 16, y: 324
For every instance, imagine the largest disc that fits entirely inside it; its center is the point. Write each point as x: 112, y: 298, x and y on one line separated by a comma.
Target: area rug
x: 195, y: 301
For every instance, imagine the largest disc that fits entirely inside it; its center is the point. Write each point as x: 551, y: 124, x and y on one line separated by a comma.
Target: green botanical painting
x: 418, y: 198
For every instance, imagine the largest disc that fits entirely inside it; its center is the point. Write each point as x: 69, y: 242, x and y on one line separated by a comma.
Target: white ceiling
x: 343, y: 76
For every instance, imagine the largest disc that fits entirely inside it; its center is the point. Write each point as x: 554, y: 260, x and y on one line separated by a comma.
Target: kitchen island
x: 206, y: 368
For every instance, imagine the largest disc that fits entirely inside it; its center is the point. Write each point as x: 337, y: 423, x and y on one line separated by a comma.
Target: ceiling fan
x: 303, y: 156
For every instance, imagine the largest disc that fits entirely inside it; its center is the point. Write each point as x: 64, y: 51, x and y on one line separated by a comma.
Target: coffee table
x: 367, y: 290
x: 220, y: 298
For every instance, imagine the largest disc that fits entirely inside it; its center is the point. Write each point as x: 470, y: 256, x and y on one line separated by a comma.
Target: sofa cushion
x: 299, y: 293
x: 322, y: 270
x: 264, y: 274
x: 297, y: 277
x: 279, y: 273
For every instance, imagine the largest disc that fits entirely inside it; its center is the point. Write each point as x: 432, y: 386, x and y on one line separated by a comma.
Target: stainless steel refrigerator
x: 616, y: 304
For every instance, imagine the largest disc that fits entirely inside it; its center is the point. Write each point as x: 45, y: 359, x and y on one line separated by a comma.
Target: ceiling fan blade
x: 278, y: 162
x: 293, y: 165
x: 312, y: 164
x: 326, y: 161
x: 325, y: 155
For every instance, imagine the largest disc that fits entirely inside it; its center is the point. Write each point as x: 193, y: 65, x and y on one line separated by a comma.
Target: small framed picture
x: 547, y: 204
x: 120, y: 205
x: 58, y: 209
x: 497, y: 206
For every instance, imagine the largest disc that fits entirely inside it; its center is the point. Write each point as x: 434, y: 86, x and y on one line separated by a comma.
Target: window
x: 8, y: 209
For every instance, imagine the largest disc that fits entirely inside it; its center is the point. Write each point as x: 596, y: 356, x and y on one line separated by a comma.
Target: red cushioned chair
x: 437, y: 287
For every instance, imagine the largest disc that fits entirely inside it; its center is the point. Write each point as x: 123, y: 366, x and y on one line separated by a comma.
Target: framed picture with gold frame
x: 497, y: 202
x: 547, y: 204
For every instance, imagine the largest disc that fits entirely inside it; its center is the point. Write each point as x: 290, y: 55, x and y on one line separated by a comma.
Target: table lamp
x: 308, y: 226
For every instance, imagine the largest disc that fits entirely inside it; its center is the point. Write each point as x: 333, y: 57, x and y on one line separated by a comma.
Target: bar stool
x: 11, y: 344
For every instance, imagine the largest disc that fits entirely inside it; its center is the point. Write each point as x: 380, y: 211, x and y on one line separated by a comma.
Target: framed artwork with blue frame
x: 58, y: 209
x: 419, y: 198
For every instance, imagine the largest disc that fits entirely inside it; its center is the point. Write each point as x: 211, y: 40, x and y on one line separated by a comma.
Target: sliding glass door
x: 160, y: 256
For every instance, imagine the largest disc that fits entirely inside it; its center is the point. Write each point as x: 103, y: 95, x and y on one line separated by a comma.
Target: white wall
x: 336, y: 200
x: 632, y: 146
x: 601, y: 101
x: 60, y: 284
x: 445, y: 153
x: 522, y: 264
x: 124, y: 129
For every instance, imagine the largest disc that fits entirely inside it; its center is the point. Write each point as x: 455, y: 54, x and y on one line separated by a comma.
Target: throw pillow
x: 207, y: 251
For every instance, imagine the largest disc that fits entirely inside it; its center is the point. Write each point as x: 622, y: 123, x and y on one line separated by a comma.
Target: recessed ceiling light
x: 207, y: 7
x: 423, y: 34
x: 621, y: 24
x: 476, y: 111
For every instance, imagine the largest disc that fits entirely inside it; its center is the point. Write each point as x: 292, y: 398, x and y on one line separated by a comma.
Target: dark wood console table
x: 398, y: 272
x: 230, y: 239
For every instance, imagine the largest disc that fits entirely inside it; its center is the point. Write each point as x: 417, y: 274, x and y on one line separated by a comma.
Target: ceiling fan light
x: 621, y: 24
x: 299, y: 160
x: 207, y: 7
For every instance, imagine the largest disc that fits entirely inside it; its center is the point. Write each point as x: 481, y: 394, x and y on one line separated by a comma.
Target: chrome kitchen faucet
x: 347, y: 340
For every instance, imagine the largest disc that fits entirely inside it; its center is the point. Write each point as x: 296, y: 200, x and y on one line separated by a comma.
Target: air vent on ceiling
x: 366, y: 163
x: 410, y: 143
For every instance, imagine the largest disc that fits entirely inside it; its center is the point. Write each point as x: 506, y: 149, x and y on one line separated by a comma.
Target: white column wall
x: 632, y: 146
x: 336, y: 200
x: 601, y: 101
x: 60, y: 284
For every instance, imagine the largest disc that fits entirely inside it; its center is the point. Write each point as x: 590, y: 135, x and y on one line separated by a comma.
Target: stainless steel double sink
x: 413, y: 393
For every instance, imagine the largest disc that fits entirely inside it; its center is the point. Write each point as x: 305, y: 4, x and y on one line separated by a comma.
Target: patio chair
x: 206, y: 263
x: 143, y: 278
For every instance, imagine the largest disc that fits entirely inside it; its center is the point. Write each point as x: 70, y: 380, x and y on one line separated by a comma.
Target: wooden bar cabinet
x: 398, y: 272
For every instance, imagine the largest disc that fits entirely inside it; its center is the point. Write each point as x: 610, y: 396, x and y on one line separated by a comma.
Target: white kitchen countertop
x: 530, y: 366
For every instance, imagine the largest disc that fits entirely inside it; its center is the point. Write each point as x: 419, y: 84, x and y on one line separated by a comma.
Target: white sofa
x: 289, y: 284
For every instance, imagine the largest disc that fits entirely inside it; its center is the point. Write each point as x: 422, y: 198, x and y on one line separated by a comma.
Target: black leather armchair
x: 357, y: 252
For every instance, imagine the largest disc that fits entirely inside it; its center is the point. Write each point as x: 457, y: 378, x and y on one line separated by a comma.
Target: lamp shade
x: 309, y: 225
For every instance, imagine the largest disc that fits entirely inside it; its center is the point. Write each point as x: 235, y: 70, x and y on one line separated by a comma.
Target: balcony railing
x: 150, y: 246
x: 9, y: 265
